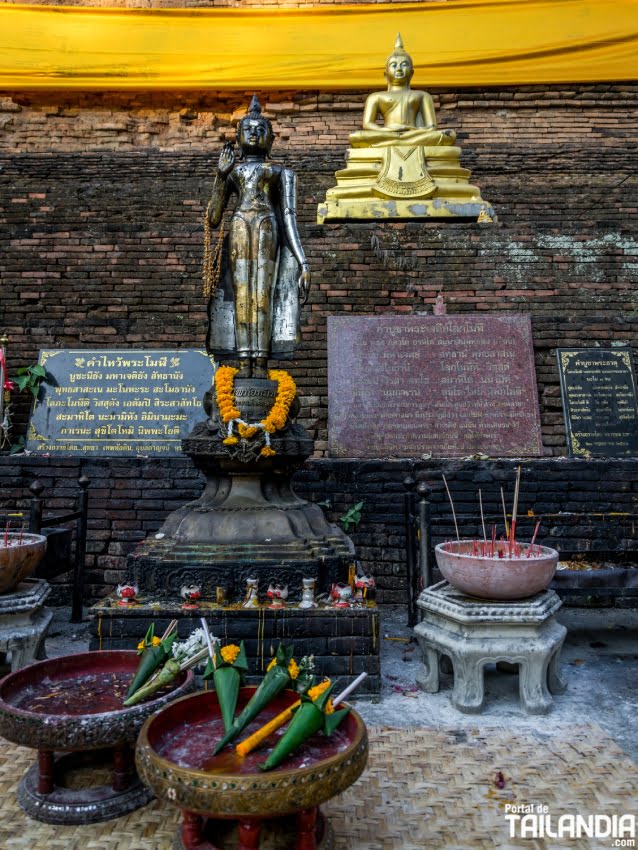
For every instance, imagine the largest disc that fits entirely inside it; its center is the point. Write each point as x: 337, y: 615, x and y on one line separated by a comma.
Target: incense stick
x: 482, y: 517
x: 348, y: 690
x: 208, y: 641
x: 531, y: 545
x: 191, y: 662
x: 169, y: 629
x: 515, y: 509
x: 507, y: 528
x: 456, y: 526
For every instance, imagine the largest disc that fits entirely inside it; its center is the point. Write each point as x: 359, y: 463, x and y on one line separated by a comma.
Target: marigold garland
x: 231, y: 415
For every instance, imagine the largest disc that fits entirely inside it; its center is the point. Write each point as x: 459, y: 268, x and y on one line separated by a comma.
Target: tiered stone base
x: 345, y: 642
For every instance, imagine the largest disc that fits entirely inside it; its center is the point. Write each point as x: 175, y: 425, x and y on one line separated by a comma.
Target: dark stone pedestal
x: 345, y: 642
x: 248, y: 523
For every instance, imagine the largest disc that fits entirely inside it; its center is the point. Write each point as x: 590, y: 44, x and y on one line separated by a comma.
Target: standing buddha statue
x: 405, y: 167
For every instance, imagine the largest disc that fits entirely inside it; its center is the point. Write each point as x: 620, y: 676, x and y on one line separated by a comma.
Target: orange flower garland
x: 231, y: 415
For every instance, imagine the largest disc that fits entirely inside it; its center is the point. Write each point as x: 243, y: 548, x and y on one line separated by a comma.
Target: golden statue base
x: 365, y: 209
x: 404, y: 182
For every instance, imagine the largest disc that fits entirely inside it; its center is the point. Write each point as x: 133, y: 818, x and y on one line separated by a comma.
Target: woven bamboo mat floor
x: 424, y: 789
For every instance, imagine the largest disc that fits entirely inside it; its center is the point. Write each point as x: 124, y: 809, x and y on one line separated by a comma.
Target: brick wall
x: 101, y: 201
x: 103, y: 195
x: 584, y: 505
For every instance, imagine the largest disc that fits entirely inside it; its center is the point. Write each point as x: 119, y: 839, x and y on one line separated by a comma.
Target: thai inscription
x: 447, y: 386
x: 118, y: 402
x: 598, y: 388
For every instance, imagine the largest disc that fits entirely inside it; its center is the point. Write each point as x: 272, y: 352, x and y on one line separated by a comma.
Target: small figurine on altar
x: 191, y: 594
x: 308, y: 593
x: 277, y: 595
x: 127, y: 593
x: 341, y: 595
x: 251, y: 600
x: 365, y: 587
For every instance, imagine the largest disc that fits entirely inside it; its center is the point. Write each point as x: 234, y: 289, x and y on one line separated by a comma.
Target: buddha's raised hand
x: 226, y: 160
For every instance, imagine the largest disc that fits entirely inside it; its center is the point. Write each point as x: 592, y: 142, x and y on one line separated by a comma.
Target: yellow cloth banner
x: 458, y: 43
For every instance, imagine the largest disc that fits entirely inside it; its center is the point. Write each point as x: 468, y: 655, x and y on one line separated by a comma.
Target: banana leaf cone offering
x: 282, y: 670
x: 163, y: 677
x: 154, y: 653
x: 227, y: 673
x: 311, y: 717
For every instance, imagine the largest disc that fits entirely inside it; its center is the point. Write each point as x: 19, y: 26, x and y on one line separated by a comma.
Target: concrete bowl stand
x: 474, y: 632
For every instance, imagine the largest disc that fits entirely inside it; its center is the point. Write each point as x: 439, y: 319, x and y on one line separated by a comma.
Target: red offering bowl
x: 174, y: 757
x: 73, y: 705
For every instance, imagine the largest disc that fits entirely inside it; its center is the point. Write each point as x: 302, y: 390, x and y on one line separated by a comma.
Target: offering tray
x: 174, y: 757
x: 70, y: 710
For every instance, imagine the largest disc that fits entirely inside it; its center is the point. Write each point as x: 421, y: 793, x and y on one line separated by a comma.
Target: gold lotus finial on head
x: 399, y: 58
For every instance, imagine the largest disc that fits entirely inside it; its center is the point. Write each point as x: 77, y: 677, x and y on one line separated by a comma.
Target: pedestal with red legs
x: 175, y: 759
x: 70, y: 710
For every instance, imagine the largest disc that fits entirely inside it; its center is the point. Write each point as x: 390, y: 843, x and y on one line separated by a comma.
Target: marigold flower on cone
x: 310, y: 718
x: 152, y: 656
x: 293, y: 667
x: 229, y: 653
x: 242, y: 749
x: 227, y: 673
x: 315, y: 692
x: 276, y: 679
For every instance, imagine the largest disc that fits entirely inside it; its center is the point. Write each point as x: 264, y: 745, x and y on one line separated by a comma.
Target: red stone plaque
x: 403, y: 386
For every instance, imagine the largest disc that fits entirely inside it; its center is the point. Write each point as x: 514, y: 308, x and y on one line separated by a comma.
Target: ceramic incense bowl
x: 73, y: 705
x: 496, y: 578
x: 175, y: 758
x: 19, y: 560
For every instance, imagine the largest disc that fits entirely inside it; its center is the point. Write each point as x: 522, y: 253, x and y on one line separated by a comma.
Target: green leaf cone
x: 307, y: 720
x: 275, y: 680
x: 227, y: 680
x: 150, y: 660
x: 333, y: 720
x: 166, y: 675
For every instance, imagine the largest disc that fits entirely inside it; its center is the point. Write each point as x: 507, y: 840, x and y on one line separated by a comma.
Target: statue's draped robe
x: 284, y: 304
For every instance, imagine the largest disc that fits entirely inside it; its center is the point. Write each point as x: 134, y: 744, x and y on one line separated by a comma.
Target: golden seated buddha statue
x: 407, y: 167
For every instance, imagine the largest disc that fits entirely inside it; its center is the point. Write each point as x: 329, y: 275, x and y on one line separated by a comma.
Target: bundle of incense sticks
x: 508, y: 547
x: 492, y: 549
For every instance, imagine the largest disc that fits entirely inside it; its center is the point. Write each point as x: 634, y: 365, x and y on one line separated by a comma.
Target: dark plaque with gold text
x: 450, y: 386
x: 124, y: 402
x: 598, y: 386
